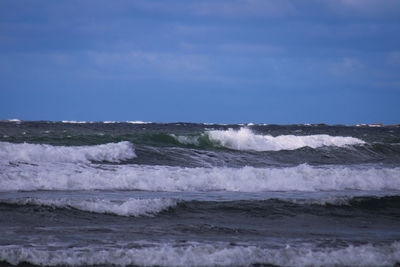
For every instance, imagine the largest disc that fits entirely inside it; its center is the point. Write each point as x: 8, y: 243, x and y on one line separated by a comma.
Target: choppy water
x: 179, y: 194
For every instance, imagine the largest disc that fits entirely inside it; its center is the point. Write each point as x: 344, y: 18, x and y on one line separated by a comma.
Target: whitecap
x: 34, y: 153
x: 245, y: 139
x: 14, y: 120
x: 302, y: 178
x: 128, y: 207
x: 74, y: 122
x: 138, y: 122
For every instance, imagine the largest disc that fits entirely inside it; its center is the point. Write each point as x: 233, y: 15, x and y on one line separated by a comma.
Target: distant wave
x: 203, y: 254
x: 33, y: 153
x: 106, y: 122
x: 129, y: 207
x: 245, y: 139
x: 138, y: 122
x: 14, y: 120
x: 75, y: 122
x: 164, y: 178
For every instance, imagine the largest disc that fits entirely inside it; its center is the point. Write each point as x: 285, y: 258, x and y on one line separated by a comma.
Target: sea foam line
x: 75, y: 122
x: 138, y: 122
x: 302, y: 178
x: 34, y: 153
x: 245, y: 139
x: 200, y: 254
x: 128, y: 207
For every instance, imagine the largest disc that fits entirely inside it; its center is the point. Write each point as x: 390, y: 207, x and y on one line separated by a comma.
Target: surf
x: 127, y: 207
x: 246, y: 140
x: 207, y: 254
x: 302, y: 178
x: 35, y: 153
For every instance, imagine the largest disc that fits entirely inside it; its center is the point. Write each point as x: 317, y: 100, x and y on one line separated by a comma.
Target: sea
x: 188, y: 194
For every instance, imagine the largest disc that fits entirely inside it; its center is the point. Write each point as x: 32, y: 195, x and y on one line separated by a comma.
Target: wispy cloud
x: 346, y: 66
x: 393, y: 58
x: 238, y: 8
x: 147, y: 64
x: 365, y: 7
x: 235, y: 8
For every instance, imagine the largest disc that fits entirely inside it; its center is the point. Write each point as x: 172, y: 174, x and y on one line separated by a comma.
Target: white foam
x: 333, y: 200
x: 14, y: 120
x: 138, y: 122
x: 245, y: 139
x: 76, y: 122
x: 302, y: 178
x: 201, y: 254
x: 34, y: 153
x: 129, y: 207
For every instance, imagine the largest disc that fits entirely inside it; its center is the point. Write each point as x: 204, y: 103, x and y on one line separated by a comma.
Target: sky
x: 214, y: 61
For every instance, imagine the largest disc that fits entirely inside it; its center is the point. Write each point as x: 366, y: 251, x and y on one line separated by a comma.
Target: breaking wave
x: 74, y: 122
x: 164, y: 178
x: 203, y: 254
x: 245, y: 139
x: 335, y: 205
x: 129, y: 207
x: 34, y: 153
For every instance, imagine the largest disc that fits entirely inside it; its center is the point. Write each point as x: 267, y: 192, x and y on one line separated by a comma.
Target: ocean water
x: 181, y: 194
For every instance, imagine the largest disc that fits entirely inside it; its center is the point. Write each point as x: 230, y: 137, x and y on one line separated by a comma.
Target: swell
x: 303, y: 178
x: 176, y: 154
x: 333, y: 206
x: 129, y: 207
x: 340, y: 206
x: 246, y: 139
x: 195, y: 145
x: 197, y: 157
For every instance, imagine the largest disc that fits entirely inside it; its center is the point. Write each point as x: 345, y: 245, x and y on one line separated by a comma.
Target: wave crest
x: 245, y: 139
x: 129, y: 207
x: 32, y: 153
x: 163, y: 178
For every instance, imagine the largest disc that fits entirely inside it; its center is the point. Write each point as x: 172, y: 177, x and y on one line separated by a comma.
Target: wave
x: 128, y: 207
x: 345, y: 201
x: 304, y: 178
x: 342, y: 206
x: 138, y: 122
x: 34, y: 153
x: 14, y: 120
x: 339, y: 205
x: 245, y: 139
x: 75, y: 122
x: 203, y: 254
x: 164, y: 149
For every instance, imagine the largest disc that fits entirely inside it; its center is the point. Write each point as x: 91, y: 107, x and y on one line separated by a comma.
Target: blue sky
x: 260, y: 61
